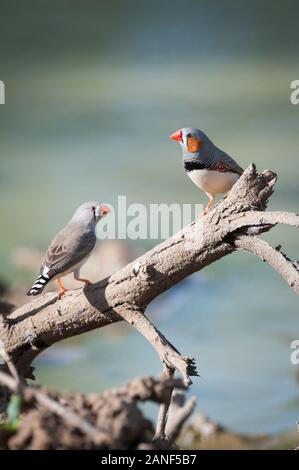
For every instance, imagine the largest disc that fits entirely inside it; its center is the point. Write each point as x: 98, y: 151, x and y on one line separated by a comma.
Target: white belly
x: 213, y: 182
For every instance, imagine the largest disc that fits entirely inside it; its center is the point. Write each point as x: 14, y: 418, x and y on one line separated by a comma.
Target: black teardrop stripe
x: 196, y: 165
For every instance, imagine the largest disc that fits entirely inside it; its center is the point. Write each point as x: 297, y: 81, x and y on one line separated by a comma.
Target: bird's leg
x: 209, y: 205
x: 81, y: 279
x: 62, y: 289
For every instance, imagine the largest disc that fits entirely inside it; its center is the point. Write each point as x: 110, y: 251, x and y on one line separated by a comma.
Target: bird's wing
x: 69, y: 247
x: 225, y: 163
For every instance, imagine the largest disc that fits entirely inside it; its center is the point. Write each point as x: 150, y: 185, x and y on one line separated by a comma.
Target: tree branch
x: 230, y: 226
x: 277, y: 260
x: 160, y: 433
x: 179, y: 412
x: 259, y: 218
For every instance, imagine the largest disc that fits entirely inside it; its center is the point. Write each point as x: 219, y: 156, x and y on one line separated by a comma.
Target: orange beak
x: 105, y: 209
x: 177, y: 135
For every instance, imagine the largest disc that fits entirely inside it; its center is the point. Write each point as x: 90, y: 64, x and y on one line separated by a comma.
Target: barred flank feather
x: 39, y: 284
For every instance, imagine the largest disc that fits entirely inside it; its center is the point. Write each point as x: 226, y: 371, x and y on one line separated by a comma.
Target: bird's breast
x: 213, y: 182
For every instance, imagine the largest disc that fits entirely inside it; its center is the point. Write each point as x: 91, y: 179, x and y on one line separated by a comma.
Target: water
x: 88, y: 117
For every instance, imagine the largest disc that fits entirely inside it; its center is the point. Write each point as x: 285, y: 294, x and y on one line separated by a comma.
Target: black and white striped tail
x: 40, y: 283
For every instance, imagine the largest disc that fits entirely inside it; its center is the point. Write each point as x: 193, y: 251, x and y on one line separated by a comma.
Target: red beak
x: 105, y: 209
x: 177, y: 135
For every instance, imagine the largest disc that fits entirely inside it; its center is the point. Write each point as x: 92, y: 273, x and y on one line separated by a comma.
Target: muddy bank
x: 48, y: 420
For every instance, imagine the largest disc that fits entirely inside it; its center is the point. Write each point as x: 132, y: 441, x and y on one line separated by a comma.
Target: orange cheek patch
x: 194, y: 144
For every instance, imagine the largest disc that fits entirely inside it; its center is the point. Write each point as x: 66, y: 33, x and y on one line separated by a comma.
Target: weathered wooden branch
x: 18, y: 381
x: 232, y: 225
x: 273, y: 256
x: 179, y: 412
x: 160, y: 433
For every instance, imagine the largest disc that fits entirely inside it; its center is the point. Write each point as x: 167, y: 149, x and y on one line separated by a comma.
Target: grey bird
x: 209, y: 167
x: 71, y: 247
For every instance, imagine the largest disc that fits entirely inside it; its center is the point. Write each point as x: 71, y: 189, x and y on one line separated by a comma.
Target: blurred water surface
x: 92, y: 92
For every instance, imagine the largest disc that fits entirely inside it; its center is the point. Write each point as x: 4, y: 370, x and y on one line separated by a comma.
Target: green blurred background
x: 93, y: 89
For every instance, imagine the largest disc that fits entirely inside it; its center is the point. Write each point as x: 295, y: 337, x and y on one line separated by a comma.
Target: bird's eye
x: 93, y: 208
x: 189, y: 135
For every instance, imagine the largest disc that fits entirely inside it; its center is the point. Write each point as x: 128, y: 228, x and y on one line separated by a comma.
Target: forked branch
x: 232, y: 225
